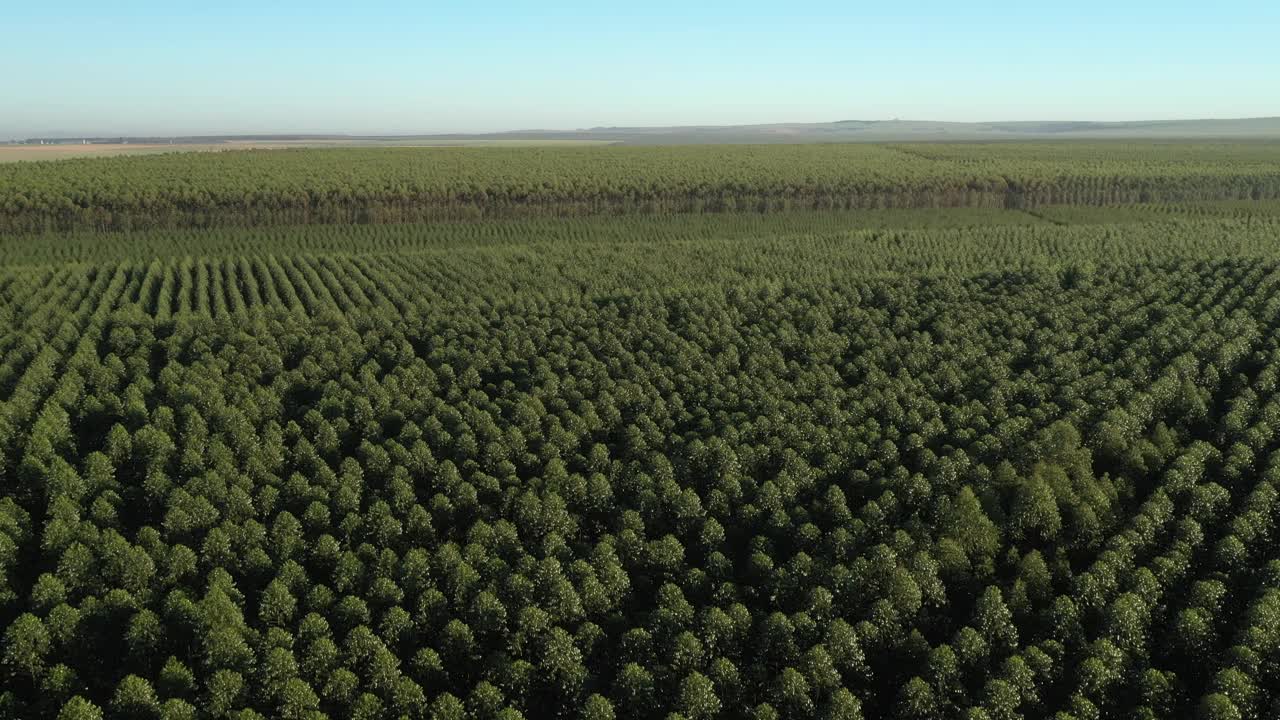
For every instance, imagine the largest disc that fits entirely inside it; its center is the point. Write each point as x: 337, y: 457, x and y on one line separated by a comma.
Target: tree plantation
x: 607, y: 460
x: 353, y: 185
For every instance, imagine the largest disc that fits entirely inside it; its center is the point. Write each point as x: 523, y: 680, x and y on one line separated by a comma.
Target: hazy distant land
x: 63, y: 146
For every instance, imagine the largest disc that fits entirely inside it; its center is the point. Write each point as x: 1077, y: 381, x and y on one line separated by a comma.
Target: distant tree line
x: 344, y: 186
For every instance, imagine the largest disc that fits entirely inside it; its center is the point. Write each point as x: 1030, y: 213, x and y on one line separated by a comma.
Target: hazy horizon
x: 70, y: 135
x: 391, y: 68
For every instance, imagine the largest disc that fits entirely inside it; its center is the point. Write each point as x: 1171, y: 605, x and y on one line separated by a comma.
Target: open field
x: 1177, y: 131
x: 410, y: 142
x: 913, y: 431
x: 845, y: 131
x: 36, y: 153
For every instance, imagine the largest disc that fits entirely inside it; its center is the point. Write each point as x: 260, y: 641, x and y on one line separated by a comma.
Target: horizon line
x: 63, y: 135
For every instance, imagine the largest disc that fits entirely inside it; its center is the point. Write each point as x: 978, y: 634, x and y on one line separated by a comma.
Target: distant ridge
x: 902, y: 130
x: 838, y: 131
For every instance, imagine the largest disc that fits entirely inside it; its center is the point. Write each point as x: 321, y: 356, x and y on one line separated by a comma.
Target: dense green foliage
x: 246, y: 188
x: 970, y: 463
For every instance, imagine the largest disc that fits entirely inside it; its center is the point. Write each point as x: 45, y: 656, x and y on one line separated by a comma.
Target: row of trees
x: 592, y: 480
x: 267, y: 187
x: 398, y: 271
x: 1060, y: 234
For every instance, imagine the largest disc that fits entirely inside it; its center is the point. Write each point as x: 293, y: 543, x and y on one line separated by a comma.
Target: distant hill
x: 841, y: 131
x: 902, y: 130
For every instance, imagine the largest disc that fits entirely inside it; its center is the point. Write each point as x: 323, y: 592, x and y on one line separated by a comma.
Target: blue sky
x: 177, y: 67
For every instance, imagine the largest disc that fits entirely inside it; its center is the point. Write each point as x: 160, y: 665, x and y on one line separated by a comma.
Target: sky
x: 175, y: 67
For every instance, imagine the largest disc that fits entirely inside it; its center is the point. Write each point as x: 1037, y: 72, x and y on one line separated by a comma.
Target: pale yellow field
x: 461, y: 142
x: 16, y: 153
